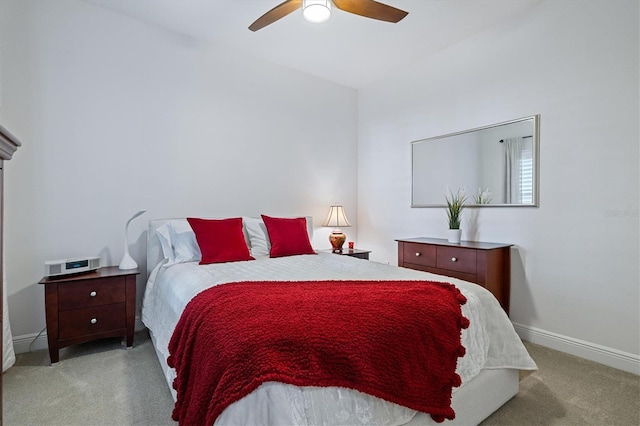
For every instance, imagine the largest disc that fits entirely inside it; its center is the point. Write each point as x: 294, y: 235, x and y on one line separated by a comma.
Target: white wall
x: 117, y: 116
x: 575, y: 273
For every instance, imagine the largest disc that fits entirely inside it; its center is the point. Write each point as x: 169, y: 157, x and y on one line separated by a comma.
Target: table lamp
x: 127, y: 261
x: 336, y: 218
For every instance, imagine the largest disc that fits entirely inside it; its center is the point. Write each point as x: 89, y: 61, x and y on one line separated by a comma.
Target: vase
x: 453, y: 235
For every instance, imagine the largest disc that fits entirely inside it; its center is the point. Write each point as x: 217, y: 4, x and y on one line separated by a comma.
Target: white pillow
x: 164, y: 236
x: 179, y: 242
x: 259, y: 243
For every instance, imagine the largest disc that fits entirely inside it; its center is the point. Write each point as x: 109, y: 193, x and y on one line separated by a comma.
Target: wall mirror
x: 500, y: 161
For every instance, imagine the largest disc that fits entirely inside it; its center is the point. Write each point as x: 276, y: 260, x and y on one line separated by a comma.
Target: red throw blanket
x: 399, y: 341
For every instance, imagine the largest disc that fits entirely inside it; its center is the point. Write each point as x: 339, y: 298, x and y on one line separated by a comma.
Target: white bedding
x: 491, y: 341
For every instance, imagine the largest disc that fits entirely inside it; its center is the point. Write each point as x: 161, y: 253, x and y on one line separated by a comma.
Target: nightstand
x: 360, y: 254
x: 89, y: 306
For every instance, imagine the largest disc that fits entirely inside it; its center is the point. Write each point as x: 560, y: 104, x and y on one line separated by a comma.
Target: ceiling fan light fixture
x: 316, y: 11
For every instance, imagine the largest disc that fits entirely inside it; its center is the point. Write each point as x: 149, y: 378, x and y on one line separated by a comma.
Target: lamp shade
x: 336, y: 218
x: 316, y: 11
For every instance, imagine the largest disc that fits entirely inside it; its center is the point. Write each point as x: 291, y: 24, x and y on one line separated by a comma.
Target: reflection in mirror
x: 497, y: 165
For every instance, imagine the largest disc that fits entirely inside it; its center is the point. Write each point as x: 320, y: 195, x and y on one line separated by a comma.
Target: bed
x: 489, y: 370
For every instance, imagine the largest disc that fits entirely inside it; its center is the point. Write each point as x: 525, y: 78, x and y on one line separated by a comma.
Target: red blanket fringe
x: 399, y: 341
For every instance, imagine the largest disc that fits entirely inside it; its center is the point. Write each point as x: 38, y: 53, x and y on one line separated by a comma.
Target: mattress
x: 491, y: 341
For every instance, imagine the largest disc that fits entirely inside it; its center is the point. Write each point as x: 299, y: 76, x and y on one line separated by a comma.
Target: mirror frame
x: 536, y: 164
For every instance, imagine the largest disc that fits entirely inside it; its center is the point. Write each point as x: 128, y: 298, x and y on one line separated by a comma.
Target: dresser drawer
x: 87, y: 293
x: 419, y: 254
x: 456, y: 259
x: 86, y: 321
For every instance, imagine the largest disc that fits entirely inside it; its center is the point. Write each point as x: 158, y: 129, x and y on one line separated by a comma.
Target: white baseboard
x: 612, y: 357
x: 35, y: 342
x: 139, y: 324
x: 30, y: 342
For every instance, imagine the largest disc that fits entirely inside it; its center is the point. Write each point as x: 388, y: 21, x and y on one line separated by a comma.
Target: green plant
x: 483, y: 196
x: 455, y: 205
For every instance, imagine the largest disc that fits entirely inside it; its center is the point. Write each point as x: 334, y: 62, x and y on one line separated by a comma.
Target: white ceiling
x: 348, y: 49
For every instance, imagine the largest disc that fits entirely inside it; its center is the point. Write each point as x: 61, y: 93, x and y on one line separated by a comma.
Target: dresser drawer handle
x: 93, y: 294
x: 454, y: 259
x: 418, y: 254
x: 93, y: 320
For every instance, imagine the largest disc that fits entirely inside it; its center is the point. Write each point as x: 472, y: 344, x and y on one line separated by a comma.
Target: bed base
x: 473, y: 402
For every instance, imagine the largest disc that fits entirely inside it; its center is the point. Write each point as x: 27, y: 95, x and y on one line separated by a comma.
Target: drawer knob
x: 93, y: 320
x: 93, y: 294
x: 418, y: 254
x: 454, y: 259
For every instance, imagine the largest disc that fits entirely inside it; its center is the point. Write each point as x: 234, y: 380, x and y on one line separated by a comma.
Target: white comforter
x: 490, y: 340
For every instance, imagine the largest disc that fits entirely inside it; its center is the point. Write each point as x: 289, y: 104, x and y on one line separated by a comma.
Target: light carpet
x: 101, y: 383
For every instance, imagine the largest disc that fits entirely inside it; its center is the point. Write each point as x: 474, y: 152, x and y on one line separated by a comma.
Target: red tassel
x: 438, y: 418
x: 464, y: 322
x: 461, y: 351
x: 456, y: 381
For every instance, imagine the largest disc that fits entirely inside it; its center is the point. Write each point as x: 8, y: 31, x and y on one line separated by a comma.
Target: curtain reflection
x: 518, y: 167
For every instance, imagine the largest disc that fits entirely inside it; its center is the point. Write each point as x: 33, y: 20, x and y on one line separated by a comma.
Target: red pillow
x: 220, y: 240
x: 288, y: 236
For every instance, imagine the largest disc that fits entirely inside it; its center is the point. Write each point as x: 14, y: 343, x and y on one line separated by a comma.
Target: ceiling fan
x: 320, y: 10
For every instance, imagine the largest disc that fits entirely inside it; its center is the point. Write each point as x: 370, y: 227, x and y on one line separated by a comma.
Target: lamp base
x: 127, y: 262
x: 337, y: 240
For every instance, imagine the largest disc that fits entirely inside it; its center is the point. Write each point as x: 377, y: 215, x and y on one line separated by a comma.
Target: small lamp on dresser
x: 336, y: 218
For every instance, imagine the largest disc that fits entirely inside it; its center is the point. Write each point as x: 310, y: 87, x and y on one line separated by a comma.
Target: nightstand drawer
x: 86, y: 321
x: 86, y: 293
x: 456, y: 259
x: 419, y: 254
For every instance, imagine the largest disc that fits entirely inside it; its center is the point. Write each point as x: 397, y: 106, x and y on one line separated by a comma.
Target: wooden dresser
x: 486, y: 264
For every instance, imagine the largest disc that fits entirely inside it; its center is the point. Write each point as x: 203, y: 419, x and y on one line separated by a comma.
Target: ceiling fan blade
x: 280, y: 11
x: 371, y: 9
